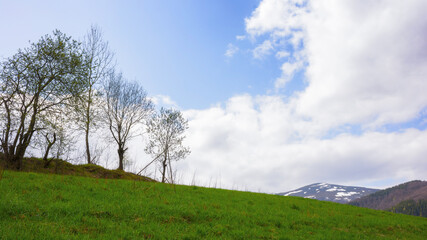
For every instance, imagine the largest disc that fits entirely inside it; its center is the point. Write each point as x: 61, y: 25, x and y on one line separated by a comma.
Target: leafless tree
x: 126, y: 108
x: 48, y: 73
x: 166, y: 134
x: 99, y: 61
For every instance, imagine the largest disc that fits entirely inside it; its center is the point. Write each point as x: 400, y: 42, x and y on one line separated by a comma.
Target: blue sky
x: 181, y: 50
x: 278, y: 93
x: 174, y: 48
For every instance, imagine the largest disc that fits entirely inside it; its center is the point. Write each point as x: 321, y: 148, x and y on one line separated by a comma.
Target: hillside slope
x: 387, y: 198
x: 408, y: 198
x: 58, y: 166
x: 330, y: 192
x: 411, y: 207
x: 49, y: 206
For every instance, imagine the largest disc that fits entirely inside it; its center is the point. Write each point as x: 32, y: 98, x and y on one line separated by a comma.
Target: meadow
x: 51, y: 206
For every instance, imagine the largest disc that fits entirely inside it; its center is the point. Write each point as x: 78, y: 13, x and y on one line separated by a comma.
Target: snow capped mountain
x: 330, y: 192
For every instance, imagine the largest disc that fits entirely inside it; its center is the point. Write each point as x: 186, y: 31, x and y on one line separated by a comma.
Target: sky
x: 278, y: 93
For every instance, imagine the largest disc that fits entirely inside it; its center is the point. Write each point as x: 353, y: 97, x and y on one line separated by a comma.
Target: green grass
x: 49, y: 206
x: 58, y: 166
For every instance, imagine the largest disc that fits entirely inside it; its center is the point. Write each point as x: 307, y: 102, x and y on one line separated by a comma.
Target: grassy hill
x: 58, y: 166
x: 50, y: 206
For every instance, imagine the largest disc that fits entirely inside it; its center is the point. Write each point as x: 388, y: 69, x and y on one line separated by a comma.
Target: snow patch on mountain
x: 335, y: 189
x: 289, y: 193
x: 345, y: 194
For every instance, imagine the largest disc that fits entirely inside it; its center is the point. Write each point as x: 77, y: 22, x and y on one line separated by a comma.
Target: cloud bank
x: 258, y: 143
x: 365, y: 68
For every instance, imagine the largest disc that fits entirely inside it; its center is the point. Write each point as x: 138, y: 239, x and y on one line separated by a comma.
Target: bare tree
x: 127, y: 106
x: 99, y: 61
x: 37, y: 78
x: 166, y: 134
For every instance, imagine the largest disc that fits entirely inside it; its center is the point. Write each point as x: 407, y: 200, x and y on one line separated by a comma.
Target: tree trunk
x: 121, y: 153
x: 89, y: 161
x: 7, y: 153
x: 88, y: 120
x: 24, y: 141
x: 19, y: 155
x: 14, y: 155
x: 49, y: 146
x: 164, y: 168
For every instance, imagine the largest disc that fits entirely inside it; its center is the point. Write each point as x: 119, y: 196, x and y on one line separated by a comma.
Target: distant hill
x: 407, y: 198
x: 411, y: 207
x: 330, y: 192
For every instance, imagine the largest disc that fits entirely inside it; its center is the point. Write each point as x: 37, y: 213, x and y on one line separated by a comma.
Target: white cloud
x: 284, y: 22
x: 282, y: 54
x: 276, y: 17
x: 258, y: 143
x: 288, y: 71
x: 366, y: 62
x: 164, y: 101
x: 240, y: 37
x: 263, y: 49
x: 231, y: 50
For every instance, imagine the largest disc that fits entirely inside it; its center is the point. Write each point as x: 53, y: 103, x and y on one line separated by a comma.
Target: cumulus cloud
x: 231, y: 50
x: 259, y: 143
x: 366, y: 63
x: 365, y: 67
x: 276, y: 17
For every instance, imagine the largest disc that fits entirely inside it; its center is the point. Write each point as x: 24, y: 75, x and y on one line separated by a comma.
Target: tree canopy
x: 46, y: 75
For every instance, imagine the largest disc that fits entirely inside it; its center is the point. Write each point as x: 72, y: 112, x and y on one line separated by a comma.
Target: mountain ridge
x: 330, y: 192
x: 407, y: 198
